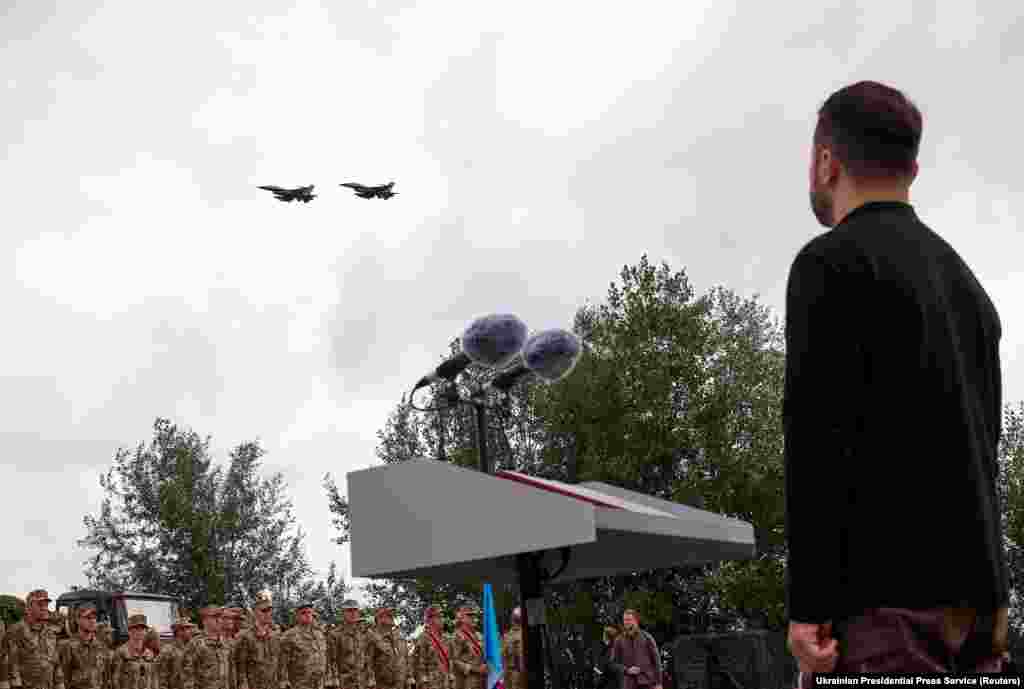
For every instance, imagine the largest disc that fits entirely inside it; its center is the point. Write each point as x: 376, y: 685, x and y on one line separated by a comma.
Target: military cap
x: 182, y: 622
x: 86, y: 608
x: 304, y: 604
x: 264, y: 599
x: 350, y: 605
x: 136, y: 619
x: 38, y: 594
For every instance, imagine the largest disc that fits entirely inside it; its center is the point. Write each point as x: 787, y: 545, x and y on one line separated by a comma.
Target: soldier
x: 467, y: 652
x: 83, y: 659
x: 303, y: 653
x: 32, y: 648
x: 4, y: 682
x: 431, y: 655
x: 386, y: 659
x: 258, y: 649
x: 345, y: 648
x: 134, y: 666
x: 206, y: 663
x: 512, y: 658
x: 170, y: 664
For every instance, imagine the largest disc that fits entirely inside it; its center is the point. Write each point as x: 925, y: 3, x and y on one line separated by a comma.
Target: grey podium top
x: 425, y: 518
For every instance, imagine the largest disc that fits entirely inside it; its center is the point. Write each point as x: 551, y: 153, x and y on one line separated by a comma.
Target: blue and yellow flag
x: 492, y: 643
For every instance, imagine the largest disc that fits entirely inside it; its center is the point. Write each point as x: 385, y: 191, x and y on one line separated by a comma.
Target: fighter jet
x: 304, y: 194
x: 382, y: 191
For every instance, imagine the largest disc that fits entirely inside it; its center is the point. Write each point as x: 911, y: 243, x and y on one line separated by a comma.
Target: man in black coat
x: 609, y: 676
x: 892, y: 414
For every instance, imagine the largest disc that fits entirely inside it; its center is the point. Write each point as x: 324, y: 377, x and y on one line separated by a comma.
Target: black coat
x: 892, y: 413
x: 610, y: 676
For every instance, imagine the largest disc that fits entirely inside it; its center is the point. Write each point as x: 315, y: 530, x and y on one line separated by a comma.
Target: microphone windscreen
x: 552, y: 354
x: 494, y: 340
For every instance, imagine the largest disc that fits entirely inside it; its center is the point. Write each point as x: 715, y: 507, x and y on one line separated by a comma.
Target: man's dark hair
x: 873, y: 129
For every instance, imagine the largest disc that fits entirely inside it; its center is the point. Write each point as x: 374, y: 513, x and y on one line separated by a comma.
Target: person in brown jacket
x: 635, y: 655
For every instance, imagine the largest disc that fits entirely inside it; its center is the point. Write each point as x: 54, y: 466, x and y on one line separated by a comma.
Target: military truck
x: 113, y: 608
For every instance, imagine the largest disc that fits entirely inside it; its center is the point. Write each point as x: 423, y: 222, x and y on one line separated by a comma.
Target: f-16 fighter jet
x: 381, y: 192
x: 304, y: 194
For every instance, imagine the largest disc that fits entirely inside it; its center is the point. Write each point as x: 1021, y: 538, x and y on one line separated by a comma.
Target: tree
x: 174, y: 523
x: 1011, y: 496
x: 12, y: 609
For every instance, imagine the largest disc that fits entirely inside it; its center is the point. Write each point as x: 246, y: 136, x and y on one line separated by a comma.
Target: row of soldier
x: 352, y: 655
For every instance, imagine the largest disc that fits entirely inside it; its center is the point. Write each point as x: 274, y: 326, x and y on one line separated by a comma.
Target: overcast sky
x: 536, y: 147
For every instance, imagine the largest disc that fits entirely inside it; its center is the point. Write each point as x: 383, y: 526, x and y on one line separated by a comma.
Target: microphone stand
x: 531, y: 575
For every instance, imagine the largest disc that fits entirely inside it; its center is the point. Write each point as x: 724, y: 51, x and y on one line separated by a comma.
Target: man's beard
x: 822, y: 206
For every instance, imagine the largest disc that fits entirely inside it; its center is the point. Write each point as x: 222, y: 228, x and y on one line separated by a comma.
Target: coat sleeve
x: 655, y: 660
x: 821, y: 357
x: 615, y: 658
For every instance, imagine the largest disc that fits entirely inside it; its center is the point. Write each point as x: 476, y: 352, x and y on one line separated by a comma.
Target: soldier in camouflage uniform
x: 467, y: 651
x: 207, y: 663
x: 170, y: 664
x: 258, y: 649
x: 32, y: 648
x: 386, y: 655
x: 512, y: 659
x: 431, y: 655
x: 4, y: 682
x: 134, y: 665
x: 345, y: 647
x: 303, y: 653
x: 83, y: 659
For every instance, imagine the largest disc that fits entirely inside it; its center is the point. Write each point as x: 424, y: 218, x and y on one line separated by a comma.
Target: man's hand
x: 483, y: 669
x: 634, y: 670
x: 813, y: 646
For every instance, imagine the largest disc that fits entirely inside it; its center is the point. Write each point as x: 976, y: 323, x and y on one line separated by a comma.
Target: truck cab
x: 113, y: 608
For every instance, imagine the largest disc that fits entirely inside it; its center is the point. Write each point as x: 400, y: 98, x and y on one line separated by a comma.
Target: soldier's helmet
x: 350, y: 604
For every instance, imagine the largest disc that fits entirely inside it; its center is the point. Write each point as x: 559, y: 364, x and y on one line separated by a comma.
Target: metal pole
x: 532, y: 594
x: 481, y: 437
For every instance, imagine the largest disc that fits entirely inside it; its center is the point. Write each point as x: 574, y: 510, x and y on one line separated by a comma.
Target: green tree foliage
x: 174, y: 523
x: 1011, y: 489
x: 12, y: 609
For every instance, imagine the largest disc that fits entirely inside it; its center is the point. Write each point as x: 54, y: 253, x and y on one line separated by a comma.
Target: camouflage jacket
x: 467, y: 657
x: 170, y: 665
x: 4, y: 682
x: 206, y: 664
x: 386, y: 659
x: 130, y: 671
x: 303, y: 658
x: 84, y: 664
x: 257, y: 660
x: 432, y: 668
x: 512, y: 659
x: 32, y: 657
x: 345, y: 651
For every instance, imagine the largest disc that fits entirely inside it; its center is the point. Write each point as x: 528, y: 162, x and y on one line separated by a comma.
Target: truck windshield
x: 159, y: 613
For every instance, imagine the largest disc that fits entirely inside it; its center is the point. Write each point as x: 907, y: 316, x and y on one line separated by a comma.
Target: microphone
x: 494, y: 340
x: 447, y: 370
x: 552, y: 354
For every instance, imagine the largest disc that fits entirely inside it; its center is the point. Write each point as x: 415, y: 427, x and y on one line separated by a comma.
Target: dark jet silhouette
x: 382, y: 191
x: 304, y: 194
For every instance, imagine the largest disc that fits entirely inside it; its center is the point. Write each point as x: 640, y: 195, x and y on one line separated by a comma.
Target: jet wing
x: 357, y: 187
x: 276, y: 190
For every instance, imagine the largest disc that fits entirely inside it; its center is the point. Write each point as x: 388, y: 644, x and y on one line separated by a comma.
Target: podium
x: 423, y: 518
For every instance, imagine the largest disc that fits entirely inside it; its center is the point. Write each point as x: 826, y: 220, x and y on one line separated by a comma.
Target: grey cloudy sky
x: 537, y: 148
